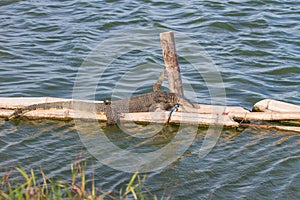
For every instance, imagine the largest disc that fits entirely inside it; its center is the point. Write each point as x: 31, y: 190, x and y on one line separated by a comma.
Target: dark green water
x: 254, y: 44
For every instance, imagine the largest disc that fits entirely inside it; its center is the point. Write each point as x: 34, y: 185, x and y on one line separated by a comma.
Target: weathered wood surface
x: 180, y: 117
x: 61, y: 114
x: 20, y: 102
x: 266, y: 116
x: 171, y: 62
x: 155, y: 117
x: 7, y: 106
x: 270, y: 105
x: 206, y: 115
x: 208, y: 109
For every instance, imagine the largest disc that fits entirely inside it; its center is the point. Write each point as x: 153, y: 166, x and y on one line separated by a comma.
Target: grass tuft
x: 76, y: 188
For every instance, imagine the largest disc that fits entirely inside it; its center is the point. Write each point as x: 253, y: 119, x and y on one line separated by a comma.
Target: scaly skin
x: 141, y: 103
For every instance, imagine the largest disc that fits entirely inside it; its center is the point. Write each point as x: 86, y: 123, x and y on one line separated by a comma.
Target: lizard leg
x: 157, y: 85
x: 15, y: 114
x: 112, y: 113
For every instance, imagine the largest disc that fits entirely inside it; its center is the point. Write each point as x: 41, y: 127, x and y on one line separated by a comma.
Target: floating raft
x: 229, y: 116
x: 205, y: 117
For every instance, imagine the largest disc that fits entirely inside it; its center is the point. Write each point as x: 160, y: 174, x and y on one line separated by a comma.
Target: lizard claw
x: 14, y: 115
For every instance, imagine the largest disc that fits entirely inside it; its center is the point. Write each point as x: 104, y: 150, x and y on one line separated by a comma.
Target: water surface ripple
x: 254, y: 43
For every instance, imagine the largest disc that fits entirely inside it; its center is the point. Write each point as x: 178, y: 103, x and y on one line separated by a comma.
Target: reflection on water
x: 255, y: 45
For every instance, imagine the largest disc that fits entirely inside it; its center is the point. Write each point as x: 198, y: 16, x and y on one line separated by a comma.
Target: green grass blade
x: 3, y: 195
x: 33, y: 177
x: 131, y: 182
x: 25, y: 175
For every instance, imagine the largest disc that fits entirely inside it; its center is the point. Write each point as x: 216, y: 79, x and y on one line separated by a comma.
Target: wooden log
x: 180, y: 117
x: 7, y: 106
x: 203, y: 117
x: 265, y: 116
x: 158, y: 117
x: 155, y: 117
x: 209, y: 109
x: 20, y: 102
x: 171, y: 62
x: 270, y: 105
x: 69, y: 113
x: 60, y: 114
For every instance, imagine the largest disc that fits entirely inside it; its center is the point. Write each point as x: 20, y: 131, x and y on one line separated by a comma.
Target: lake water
x: 46, y: 45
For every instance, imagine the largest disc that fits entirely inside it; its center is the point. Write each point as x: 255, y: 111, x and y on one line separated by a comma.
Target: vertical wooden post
x: 171, y: 62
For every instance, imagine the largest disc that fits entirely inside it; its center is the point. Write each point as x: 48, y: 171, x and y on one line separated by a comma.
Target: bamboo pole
x: 265, y: 116
x: 60, y: 114
x: 69, y: 113
x: 7, y: 106
x: 156, y: 117
x: 209, y: 109
x: 227, y: 119
x: 270, y: 105
x: 171, y: 62
x: 180, y: 117
x: 20, y: 102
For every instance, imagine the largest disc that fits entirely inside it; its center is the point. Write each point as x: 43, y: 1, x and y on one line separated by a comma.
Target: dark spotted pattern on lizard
x: 141, y: 103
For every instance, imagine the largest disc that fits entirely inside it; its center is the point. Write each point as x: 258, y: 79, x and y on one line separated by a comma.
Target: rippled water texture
x: 255, y: 45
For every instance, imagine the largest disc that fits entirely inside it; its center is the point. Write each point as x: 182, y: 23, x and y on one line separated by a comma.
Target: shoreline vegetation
x: 73, y: 188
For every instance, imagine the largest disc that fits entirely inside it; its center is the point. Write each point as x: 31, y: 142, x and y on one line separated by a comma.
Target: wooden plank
x: 171, y: 62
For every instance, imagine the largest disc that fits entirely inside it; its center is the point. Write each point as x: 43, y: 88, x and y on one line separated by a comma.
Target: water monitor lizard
x: 141, y: 103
